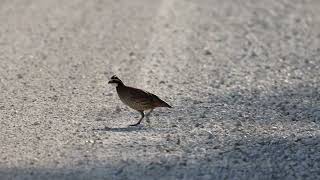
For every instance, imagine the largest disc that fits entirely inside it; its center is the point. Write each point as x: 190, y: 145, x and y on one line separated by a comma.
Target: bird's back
x: 139, y: 99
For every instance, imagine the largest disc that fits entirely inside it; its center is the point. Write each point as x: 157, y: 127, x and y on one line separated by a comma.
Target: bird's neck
x: 120, y: 86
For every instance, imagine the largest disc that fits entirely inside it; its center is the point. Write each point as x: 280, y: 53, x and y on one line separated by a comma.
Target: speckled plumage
x: 137, y: 99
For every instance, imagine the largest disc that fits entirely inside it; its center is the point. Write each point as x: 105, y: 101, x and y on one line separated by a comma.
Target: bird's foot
x: 134, y: 125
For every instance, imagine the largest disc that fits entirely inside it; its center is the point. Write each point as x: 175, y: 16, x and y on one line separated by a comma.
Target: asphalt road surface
x: 243, y: 78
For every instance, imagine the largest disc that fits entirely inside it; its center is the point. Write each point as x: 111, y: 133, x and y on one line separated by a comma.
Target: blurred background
x: 243, y: 78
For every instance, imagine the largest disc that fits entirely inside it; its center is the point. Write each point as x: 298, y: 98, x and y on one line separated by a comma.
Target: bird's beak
x: 109, y: 82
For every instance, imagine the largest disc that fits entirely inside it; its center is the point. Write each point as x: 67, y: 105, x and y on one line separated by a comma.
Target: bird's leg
x: 147, y: 116
x: 149, y: 113
x: 142, y: 116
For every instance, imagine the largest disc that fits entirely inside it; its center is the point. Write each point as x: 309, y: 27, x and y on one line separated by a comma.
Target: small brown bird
x: 137, y: 99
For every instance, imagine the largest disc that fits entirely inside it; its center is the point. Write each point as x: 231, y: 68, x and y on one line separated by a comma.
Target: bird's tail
x: 160, y: 103
x: 164, y: 104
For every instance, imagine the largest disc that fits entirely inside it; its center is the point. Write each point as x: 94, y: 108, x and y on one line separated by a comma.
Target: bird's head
x: 115, y: 81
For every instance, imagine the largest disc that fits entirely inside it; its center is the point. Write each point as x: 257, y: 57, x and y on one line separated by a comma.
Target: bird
x: 137, y: 99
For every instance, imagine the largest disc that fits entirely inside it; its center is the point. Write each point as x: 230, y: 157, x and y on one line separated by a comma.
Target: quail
x: 137, y: 99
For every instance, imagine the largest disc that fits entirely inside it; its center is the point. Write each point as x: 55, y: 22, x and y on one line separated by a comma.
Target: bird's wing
x: 140, y: 96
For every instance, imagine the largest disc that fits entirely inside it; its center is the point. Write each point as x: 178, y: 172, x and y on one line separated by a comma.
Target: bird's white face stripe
x: 114, y: 84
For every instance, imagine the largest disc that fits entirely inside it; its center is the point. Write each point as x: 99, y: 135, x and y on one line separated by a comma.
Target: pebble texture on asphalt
x: 243, y: 78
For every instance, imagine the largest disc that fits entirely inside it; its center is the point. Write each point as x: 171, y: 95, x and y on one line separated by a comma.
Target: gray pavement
x: 243, y: 77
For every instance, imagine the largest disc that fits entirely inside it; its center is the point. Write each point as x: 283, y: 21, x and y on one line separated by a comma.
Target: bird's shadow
x: 121, y: 129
